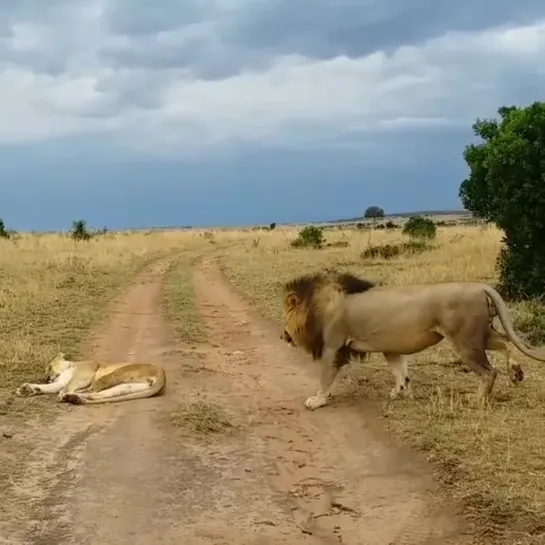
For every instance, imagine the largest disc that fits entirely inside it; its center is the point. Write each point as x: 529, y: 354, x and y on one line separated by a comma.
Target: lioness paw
x: 74, y: 399
x: 25, y: 390
x: 314, y: 402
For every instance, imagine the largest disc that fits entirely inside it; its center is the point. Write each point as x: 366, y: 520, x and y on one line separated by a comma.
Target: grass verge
x: 493, y: 460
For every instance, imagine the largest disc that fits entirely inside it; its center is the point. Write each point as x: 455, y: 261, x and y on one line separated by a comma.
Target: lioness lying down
x: 332, y: 316
x: 82, y: 382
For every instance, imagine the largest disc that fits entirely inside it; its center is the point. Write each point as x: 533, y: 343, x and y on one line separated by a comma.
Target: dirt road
x: 119, y: 475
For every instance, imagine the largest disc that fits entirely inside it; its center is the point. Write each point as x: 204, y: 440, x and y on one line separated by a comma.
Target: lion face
x: 285, y: 336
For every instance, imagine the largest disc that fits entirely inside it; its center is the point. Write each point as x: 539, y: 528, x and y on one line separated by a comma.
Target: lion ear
x: 292, y: 300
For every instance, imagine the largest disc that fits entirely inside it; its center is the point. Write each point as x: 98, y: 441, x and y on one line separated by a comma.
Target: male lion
x: 322, y: 318
x: 83, y: 382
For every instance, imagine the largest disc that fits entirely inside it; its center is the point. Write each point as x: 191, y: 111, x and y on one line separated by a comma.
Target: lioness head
x: 55, y: 367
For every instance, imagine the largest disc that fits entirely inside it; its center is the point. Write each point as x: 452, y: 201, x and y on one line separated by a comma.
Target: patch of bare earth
x: 227, y: 456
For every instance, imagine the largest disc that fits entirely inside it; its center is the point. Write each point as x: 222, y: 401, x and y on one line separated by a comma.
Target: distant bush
x: 309, y: 237
x: 391, y: 225
x: 80, y: 230
x: 272, y: 226
x: 390, y: 251
x: 4, y: 233
x: 419, y: 227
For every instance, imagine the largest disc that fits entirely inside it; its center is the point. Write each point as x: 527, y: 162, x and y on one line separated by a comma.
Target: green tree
x: 374, y: 212
x: 506, y: 186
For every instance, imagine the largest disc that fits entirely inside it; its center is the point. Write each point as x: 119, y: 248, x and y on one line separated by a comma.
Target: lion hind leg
x: 398, y: 366
x: 498, y: 342
x: 118, y: 392
x: 477, y: 361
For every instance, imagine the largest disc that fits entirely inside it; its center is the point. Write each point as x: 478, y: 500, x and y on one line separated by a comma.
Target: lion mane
x: 304, y: 303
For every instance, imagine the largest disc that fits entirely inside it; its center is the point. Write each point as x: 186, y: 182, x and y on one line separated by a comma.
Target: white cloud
x: 291, y: 101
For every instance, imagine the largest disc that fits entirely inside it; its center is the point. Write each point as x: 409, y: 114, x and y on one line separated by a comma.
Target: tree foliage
x: 506, y: 186
x: 373, y: 212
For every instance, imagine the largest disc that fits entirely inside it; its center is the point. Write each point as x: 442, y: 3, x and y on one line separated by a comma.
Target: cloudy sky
x: 135, y: 113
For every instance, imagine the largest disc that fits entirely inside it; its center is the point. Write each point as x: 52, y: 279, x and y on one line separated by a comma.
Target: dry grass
x: 492, y: 459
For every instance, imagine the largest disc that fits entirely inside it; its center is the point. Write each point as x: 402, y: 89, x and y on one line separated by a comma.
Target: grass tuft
x: 201, y: 417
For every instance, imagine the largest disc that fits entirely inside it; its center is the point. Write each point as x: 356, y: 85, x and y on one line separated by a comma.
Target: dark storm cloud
x: 323, y: 28
x: 217, y: 39
x: 246, y: 34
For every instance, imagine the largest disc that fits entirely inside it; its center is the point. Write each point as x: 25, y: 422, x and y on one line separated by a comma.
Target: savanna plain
x: 491, y: 461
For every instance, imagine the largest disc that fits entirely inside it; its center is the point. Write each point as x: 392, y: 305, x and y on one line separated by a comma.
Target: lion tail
x: 503, y: 315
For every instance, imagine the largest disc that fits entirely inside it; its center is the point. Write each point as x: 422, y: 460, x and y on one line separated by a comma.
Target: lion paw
x: 516, y: 374
x: 74, y: 399
x: 25, y: 390
x: 314, y: 402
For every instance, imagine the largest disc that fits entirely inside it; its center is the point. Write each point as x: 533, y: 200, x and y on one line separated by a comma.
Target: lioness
x: 82, y: 382
x: 398, y: 320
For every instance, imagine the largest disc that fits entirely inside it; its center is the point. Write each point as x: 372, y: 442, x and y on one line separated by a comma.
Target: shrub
x: 419, y: 227
x: 389, y: 251
x: 310, y: 236
x: 80, y: 230
x: 272, y: 226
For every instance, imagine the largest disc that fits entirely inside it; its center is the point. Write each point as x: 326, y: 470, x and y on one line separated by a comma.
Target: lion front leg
x: 29, y: 389
x: 328, y: 373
